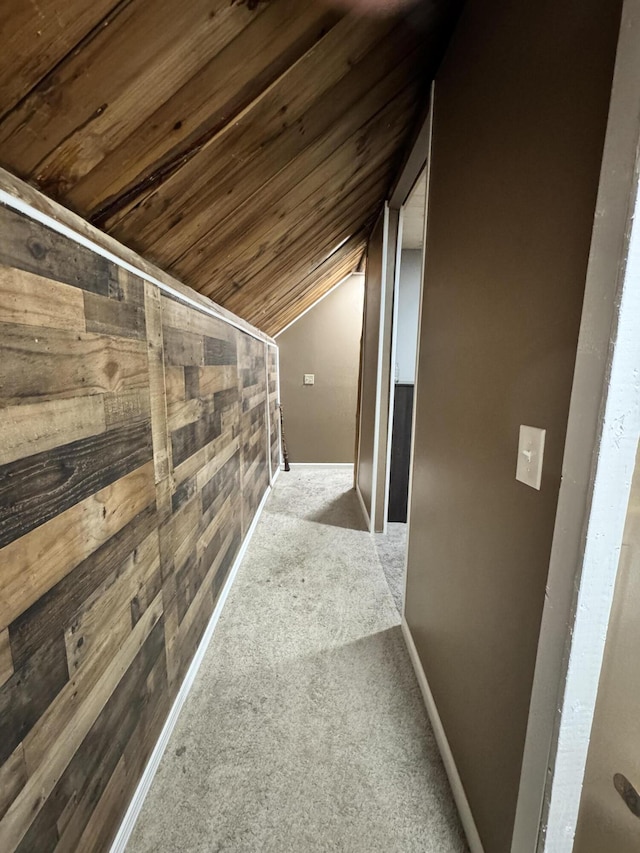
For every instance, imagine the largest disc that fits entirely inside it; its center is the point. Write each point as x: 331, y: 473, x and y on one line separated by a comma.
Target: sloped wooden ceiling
x: 245, y: 147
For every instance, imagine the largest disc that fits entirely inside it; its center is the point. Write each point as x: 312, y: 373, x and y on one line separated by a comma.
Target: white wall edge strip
x: 275, y: 476
x: 28, y: 209
x: 464, y: 809
x: 367, y: 519
x: 279, y: 415
x: 317, y: 302
x: 135, y: 806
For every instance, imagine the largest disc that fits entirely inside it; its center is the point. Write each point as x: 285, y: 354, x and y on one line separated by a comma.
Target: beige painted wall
x: 319, y: 419
x: 605, y: 823
x: 520, y: 112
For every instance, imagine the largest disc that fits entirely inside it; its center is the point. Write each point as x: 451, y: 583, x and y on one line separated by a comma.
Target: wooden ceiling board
x: 291, y: 303
x: 36, y: 39
x: 264, y: 116
x: 216, y: 95
x: 232, y: 245
x: 284, y: 162
x: 227, y: 172
x: 243, y: 145
x: 335, y: 266
x: 316, y: 245
x: 70, y: 120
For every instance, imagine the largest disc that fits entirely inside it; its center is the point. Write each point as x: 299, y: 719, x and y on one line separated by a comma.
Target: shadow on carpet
x: 343, y: 511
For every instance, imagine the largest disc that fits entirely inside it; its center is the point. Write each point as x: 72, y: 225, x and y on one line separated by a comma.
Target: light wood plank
x: 41, y: 364
x: 37, y: 427
x: 183, y: 412
x: 32, y: 564
x: 33, y: 300
x: 13, y: 776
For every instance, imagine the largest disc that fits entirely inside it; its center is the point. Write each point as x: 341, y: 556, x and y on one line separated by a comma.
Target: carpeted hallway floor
x: 305, y: 729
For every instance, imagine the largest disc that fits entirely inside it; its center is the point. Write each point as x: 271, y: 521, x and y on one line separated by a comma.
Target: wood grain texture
x: 188, y: 136
x: 134, y: 456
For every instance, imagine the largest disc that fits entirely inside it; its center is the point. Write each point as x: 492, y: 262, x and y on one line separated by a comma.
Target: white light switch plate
x: 309, y: 379
x: 530, y: 456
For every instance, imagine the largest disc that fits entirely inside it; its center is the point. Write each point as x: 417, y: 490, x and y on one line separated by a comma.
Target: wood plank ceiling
x: 245, y: 147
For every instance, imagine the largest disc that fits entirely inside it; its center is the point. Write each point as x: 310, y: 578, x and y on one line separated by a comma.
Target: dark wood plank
x: 114, y: 317
x: 219, y: 351
x: 29, y: 692
x: 45, y: 618
x: 191, y: 382
x: 183, y: 347
x: 37, y: 488
x: 224, y: 481
x: 190, y: 438
x: 31, y: 246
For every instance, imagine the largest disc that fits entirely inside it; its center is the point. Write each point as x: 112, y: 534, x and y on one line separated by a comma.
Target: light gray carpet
x: 305, y: 729
x: 392, y: 550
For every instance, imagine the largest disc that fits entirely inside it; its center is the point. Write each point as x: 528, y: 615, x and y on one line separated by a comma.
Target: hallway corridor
x: 305, y: 729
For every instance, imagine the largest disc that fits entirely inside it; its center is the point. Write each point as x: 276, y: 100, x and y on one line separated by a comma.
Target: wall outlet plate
x: 309, y: 379
x: 530, y: 456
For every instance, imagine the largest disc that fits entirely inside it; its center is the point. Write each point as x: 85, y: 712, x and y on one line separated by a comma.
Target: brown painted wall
x: 605, y: 822
x: 134, y: 455
x: 520, y: 112
x: 320, y: 419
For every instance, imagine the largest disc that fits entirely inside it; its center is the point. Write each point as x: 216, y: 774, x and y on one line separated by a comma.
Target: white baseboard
x: 275, y: 476
x: 321, y: 464
x: 367, y: 520
x: 466, y: 816
x: 129, y: 820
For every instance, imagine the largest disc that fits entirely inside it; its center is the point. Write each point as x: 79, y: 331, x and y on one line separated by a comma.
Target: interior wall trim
x: 457, y: 788
x: 20, y: 204
x: 135, y: 806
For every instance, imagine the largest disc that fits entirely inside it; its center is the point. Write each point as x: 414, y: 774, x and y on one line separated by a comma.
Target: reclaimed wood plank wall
x: 135, y: 452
